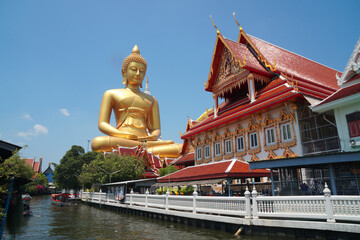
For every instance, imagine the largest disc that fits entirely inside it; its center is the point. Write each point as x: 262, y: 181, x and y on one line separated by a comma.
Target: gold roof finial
x: 135, y: 50
x: 217, y: 30
x: 240, y: 28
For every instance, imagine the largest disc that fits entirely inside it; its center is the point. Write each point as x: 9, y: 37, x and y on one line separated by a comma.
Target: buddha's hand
x: 147, y: 138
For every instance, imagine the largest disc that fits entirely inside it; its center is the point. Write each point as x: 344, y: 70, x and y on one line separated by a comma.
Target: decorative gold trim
x: 254, y: 158
x: 288, y: 153
x: 271, y: 155
x: 240, y: 158
x: 288, y: 144
x: 227, y: 133
x: 239, y: 130
x: 217, y: 30
x: 240, y: 154
x: 253, y: 151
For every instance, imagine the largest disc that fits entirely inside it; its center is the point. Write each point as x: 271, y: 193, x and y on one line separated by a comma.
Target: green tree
x: 67, y: 172
x: 13, y: 167
x: 165, y: 171
x: 118, y: 167
x: 41, y: 179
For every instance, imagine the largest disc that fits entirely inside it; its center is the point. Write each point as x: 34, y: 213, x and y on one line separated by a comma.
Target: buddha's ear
x: 124, y: 78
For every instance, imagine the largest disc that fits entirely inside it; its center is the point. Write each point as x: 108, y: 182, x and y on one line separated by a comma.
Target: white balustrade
x: 326, y: 207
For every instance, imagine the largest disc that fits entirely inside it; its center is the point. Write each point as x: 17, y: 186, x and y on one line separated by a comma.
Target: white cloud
x: 27, y: 116
x: 35, y: 131
x: 39, y: 129
x: 65, y: 112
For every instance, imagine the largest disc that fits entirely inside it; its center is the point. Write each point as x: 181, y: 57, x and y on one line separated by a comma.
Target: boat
x: 61, y: 200
x: 26, y: 201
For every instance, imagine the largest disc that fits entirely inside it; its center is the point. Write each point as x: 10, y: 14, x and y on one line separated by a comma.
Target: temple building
x: 263, y: 97
x: 334, y: 159
x: 36, y: 166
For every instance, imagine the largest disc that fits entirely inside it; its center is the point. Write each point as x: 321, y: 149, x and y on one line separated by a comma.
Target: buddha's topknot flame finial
x: 135, y: 50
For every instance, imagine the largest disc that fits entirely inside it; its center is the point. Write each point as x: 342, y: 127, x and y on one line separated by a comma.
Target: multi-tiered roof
x: 278, y: 74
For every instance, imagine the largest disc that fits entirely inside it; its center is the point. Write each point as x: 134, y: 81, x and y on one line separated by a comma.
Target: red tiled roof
x: 36, y: 167
x: 190, y: 157
x: 150, y: 174
x: 224, y: 169
x: 293, y: 64
x: 312, y: 78
x: 276, y: 92
x: 29, y: 162
x: 240, y: 50
x: 342, y: 93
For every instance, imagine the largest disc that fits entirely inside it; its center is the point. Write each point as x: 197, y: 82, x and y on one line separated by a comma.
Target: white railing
x: 326, y: 207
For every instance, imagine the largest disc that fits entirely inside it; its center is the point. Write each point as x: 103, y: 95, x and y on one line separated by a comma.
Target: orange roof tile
x: 186, y: 158
x: 312, y: 78
x: 296, y: 65
x: 224, y: 169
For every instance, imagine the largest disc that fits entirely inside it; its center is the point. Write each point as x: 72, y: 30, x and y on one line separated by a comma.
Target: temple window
x: 198, y: 153
x: 240, y: 144
x: 286, y: 132
x: 318, y: 131
x: 307, y: 130
x: 270, y: 136
x: 253, y: 140
x: 353, y: 122
x: 217, y: 147
x: 228, y: 148
x: 207, y: 151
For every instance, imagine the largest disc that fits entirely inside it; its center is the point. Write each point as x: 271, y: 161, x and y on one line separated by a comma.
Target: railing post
x: 146, y: 197
x: 131, y: 195
x: 195, y: 194
x: 328, y: 207
x: 167, y: 199
x: 247, y: 203
x: 254, y: 203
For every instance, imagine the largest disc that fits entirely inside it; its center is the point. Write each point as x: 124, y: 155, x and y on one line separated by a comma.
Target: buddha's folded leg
x: 169, y: 151
x: 107, y: 143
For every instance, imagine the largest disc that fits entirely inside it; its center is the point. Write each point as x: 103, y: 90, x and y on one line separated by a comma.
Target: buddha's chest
x: 129, y: 100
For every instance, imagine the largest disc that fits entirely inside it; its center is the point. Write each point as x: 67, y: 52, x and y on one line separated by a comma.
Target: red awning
x: 225, y: 169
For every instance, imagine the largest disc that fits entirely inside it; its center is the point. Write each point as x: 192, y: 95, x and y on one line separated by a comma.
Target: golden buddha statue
x: 136, y: 113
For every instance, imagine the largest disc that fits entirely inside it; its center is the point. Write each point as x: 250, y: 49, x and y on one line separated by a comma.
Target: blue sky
x: 57, y: 58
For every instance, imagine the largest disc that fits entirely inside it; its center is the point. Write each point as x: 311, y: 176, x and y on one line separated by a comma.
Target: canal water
x: 80, y: 221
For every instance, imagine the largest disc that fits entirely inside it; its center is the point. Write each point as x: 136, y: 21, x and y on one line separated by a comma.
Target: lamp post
x: 109, y: 173
x: 88, y: 145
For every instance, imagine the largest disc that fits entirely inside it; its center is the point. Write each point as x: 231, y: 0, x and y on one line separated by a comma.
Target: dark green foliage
x: 188, y: 190
x: 165, y: 171
x: 67, y: 172
x: 41, y: 179
x: 13, y: 167
x: 98, y: 170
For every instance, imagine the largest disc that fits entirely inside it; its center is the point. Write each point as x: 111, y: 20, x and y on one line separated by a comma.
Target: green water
x: 84, y: 222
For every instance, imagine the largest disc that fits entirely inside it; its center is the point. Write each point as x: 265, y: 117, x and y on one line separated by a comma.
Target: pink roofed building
x: 36, y: 166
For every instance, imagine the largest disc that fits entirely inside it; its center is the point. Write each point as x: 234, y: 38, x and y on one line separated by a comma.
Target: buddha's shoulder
x: 115, y: 92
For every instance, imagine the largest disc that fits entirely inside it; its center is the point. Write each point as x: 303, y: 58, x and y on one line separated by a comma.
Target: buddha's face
x: 135, y: 73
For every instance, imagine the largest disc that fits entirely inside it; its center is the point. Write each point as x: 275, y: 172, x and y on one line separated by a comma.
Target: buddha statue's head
x: 134, y: 68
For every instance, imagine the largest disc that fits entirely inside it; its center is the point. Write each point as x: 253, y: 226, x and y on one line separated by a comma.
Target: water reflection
x: 84, y: 222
